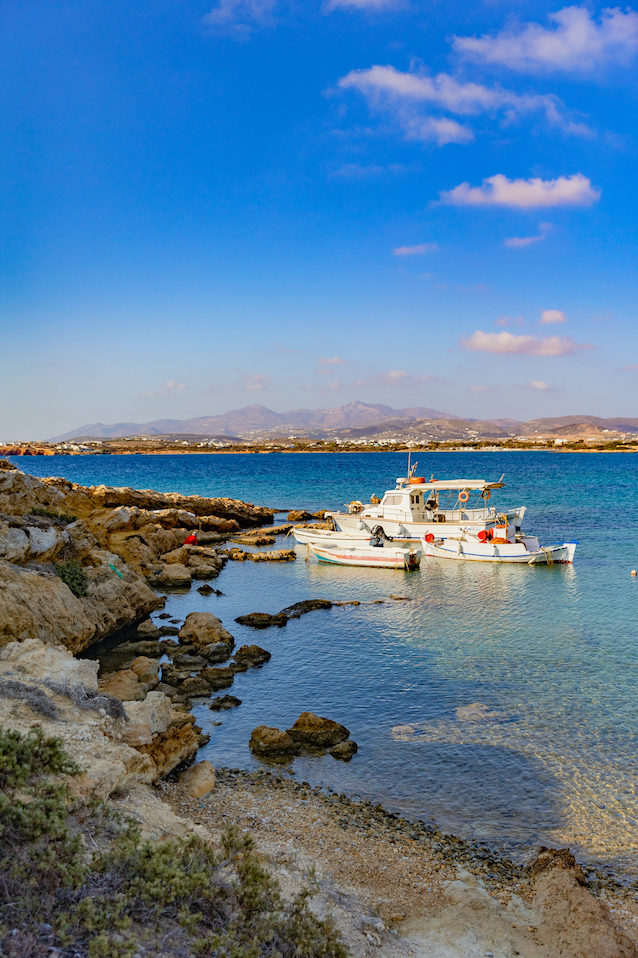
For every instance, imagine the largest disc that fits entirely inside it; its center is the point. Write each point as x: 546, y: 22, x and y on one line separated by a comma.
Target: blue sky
x: 300, y: 204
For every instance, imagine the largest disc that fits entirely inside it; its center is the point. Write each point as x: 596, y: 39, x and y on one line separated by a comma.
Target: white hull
x: 324, y: 537
x: 375, y: 557
x: 406, y: 530
x: 473, y: 550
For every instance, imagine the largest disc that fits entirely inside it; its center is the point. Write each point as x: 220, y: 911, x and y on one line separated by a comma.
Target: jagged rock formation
x: 116, y: 745
x: 122, y: 541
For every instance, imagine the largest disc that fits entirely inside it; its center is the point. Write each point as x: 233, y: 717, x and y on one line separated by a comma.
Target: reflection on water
x: 501, y: 701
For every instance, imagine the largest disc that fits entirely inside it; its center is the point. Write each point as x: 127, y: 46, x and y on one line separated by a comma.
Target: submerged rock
x: 272, y: 742
x: 344, y: 750
x: 263, y: 620
x: 311, y: 729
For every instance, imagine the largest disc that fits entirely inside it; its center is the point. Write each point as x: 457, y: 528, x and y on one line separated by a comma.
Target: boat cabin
x: 417, y: 500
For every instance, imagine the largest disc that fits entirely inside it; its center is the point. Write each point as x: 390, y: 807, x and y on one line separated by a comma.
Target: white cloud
x: 255, y: 383
x: 516, y: 242
x: 552, y: 316
x: 404, y: 96
x: 240, y: 18
x: 418, y: 250
x: 508, y: 343
x: 171, y: 388
x: 332, y: 361
x: 497, y: 190
x: 540, y: 385
x: 576, y: 43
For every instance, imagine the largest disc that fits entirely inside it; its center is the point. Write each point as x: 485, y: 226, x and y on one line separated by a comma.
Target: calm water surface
x: 546, y: 658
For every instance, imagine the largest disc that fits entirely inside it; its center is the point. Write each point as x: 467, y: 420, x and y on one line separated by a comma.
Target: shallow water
x: 548, y: 655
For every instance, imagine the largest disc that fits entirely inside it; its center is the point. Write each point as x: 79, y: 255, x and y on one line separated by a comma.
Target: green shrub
x: 106, y: 903
x: 73, y: 575
x: 48, y: 514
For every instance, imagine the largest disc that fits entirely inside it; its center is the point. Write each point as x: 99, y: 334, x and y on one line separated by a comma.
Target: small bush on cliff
x: 53, y: 893
x: 73, y: 575
x: 56, y: 516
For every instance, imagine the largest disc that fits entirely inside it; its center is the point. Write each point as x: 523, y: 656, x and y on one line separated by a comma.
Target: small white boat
x: 522, y: 549
x: 325, y: 537
x: 378, y: 557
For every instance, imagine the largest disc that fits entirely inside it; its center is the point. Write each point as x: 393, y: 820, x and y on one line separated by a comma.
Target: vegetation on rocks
x: 56, y: 893
x: 55, y: 516
x: 73, y: 575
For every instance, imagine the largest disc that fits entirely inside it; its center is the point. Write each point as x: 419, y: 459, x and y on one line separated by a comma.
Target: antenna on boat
x: 409, y: 457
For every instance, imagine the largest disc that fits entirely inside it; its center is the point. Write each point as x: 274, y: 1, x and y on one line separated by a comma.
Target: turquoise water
x: 499, y: 701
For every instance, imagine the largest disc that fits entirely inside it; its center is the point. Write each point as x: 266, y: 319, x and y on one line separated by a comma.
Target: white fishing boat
x: 418, y: 506
x: 507, y: 547
x: 328, y: 538
x: 379, y: 557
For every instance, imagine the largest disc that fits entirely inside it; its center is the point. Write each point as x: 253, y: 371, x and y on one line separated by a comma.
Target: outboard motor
x: 379, y: 536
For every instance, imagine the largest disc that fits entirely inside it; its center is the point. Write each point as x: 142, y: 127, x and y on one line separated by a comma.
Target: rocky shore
x: 80, y: 564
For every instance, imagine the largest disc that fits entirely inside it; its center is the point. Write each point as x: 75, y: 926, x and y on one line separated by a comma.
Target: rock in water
x: 311, y: 729
x: 203, y: 629
x: 252, y: 655
x: 174, y: 575
x: 307, y: 605
x: 198, y: 780
x: 261, y: 620
x: 223, y: 702
x: 272, y: 742
x: 344, y: 750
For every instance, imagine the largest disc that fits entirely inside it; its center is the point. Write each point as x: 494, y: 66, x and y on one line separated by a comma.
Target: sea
x: 500, y: 703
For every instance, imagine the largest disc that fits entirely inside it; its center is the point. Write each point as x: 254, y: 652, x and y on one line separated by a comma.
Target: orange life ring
x: 464, y: 496
x: 486, y: 493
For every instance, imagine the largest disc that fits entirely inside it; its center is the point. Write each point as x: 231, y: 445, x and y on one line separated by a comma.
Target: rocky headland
x: 78, y: 565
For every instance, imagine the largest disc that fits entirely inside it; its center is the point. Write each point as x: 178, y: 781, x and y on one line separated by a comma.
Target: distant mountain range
x: 356, y: 419
x: 252, y: 421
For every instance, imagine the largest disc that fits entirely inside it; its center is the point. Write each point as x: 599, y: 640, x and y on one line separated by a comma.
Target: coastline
x: 372, y: 865
x: 404, y: 888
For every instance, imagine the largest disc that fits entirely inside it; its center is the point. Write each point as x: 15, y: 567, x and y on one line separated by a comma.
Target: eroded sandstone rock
x: 174, y: 576
x: 198, y: 780
x: 147, y: 670
x: 203, y: 629
x: 124, y: 685
x: 170, y: 748
x: 578, y: 922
